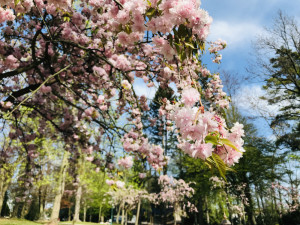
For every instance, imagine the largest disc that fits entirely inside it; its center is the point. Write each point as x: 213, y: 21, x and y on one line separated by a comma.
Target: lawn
x: 26, y: 222
x: 78, y: 223
x: 17, y: 222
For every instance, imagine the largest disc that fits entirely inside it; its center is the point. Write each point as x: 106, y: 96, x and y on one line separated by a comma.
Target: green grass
x: 79, y: 223
x: 17, y: 222
x: 26, y: 222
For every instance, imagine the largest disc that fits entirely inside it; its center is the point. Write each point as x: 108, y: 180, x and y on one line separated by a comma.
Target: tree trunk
x: 60, y: 190
x: 123, y: 213
x: 84, y: 213
x: 206, y: 210
x: 249, y: 207
x: 118, y: 214
x: 258, y: 203
x: 202, y: 209
x: 138, y: 213
x: 24, y: 211
x: 281, y: 203
x: 3, y: 188
x: 69, y: 216
x: 1, y: 199
x: 77, y: 203
x: 14, y: 213
x: 42, y: 202
x: 100, y: 209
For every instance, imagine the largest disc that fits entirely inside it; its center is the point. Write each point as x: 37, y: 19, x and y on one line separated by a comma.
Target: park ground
x: 26, y: 222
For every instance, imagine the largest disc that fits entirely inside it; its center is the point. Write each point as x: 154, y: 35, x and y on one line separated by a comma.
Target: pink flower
x: 142, y: 175
x: 190, y: 96
x: 6, y: 14
x: 124, y: 38
x: 126, y: 162
x: 100, y: 99
x: 89, y: 111
x: 6, y: 105
x: 90, y: 158
x: 103, y: 107
x: 120, y: 184
x: 203, y: 151
x: 11, y: 62
x: 121, y: 62
x: 125, y: 84
x: 45, y: 89
x: 151, y: 84
x: 110, y: 182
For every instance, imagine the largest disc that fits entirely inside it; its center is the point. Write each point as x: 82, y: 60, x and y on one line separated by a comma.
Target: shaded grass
x: 27, y: 222
x: 80, y: 223
x: 17, y: 222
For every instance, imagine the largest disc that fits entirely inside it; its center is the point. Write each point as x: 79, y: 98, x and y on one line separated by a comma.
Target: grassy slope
x: 26, y: 222
x: 17, y: 222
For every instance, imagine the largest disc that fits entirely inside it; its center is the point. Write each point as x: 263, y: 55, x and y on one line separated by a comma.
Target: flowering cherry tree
x: 73, y: 61
x: 176, y: 194
x: 73, y: 65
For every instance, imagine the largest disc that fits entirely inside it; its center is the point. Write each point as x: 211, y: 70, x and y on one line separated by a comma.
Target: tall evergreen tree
x: 282, y: 77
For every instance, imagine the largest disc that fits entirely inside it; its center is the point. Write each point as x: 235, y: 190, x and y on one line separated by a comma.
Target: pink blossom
x: 100, y: 99
x: 190, y: 96
x: 142, y: 175
x: 110, y: 182
x: 45, y: 89
x: 103, y: 107
x: 126, y: 84
x: 203, y: 151
x: 126, y: 162
x: 6, y: 15
x: 120, y: 184
x: 11, y: 62
x: 90, y: 158
x: 6, y: 105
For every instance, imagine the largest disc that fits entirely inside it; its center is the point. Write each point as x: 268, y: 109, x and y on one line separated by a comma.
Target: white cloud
x: 236, y: 34
x: 248, y: 100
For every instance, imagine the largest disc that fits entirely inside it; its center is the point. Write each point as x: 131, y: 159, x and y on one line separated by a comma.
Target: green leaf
x: 211, y: 139
x: 229, y: 143
x: 170, y: 37
x: 150, y: 13
x: 182, y: 31
x: 189, y: 45
x: 177, y: 48
x: 220, y: 165
x: 16, y: 2
x: 127, y: 29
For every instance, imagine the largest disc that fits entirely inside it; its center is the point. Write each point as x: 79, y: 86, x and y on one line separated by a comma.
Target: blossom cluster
x: 214, y: 92
x: 290, y: 194
x: 195, y: 125
x: 118, y: 183
x: 175, y: 193
x: 154, y: 153
x: 126, y: 162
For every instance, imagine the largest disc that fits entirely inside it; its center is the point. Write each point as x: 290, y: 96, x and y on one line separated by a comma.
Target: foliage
x: 282, y: 77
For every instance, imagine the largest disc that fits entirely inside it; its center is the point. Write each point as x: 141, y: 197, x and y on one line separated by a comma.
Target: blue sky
x: 239, y: 23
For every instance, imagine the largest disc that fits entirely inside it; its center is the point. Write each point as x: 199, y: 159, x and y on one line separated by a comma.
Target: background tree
x: 279, y: 57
